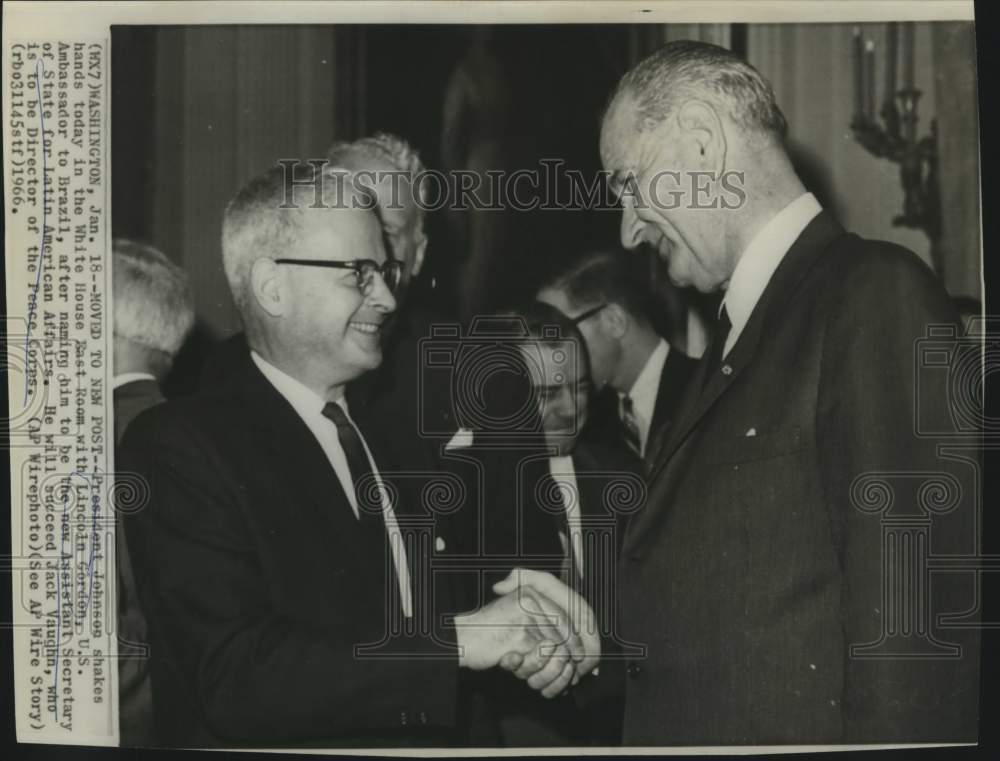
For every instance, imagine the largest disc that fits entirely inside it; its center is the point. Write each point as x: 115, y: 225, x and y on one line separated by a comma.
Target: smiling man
x: 755, y: 572
x: 286, y: 606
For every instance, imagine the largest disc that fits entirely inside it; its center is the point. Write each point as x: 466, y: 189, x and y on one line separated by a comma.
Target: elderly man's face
x: 651, y: 171
x: 330, y: 317
x: 401, y: 220
x: 403, y: 227
x: 561, y: 382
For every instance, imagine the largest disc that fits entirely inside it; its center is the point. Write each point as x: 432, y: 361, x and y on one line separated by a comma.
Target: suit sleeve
x: 254, y: 674
x: 870, y: 392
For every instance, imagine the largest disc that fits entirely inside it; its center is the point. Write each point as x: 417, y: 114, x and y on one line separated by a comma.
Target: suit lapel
x: 298, y: 456
x: 814, y: 240
x: 677, y: 371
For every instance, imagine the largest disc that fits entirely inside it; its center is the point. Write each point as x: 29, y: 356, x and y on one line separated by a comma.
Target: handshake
x: 539, y: 629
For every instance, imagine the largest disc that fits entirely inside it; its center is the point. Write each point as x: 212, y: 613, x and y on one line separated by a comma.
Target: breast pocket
x: 754, y: 446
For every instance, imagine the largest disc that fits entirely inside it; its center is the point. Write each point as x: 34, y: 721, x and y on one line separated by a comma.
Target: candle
x: 858, y: 77
x: 909, y: 51
x: 892, y: 46
x: 870, y: 79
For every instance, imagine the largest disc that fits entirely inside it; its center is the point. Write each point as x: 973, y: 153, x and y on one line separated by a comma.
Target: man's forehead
x: 618, y: 132
x: 552, y: 362
x: 342, y: 233
x: 555, y: 296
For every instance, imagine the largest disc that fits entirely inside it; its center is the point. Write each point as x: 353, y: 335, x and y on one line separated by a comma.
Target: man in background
x: 754, y: 574
x: 153, y: 312
x: 553, y: 508
x: 639, y: 377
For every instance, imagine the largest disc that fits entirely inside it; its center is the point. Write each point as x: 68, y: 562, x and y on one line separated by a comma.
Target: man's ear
x: 703, y: 134
x: 615, y: 320
x: 266, y: 283
x: 418, y: 257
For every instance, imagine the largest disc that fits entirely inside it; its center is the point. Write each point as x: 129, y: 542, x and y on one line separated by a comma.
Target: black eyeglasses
x: 588, y: 314
x: 364, y: 270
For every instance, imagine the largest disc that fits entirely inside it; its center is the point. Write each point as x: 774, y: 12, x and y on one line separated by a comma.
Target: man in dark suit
x: 153, y: 312
x: 638, y: 375
x: 755, y: 573
x: 287, y: 585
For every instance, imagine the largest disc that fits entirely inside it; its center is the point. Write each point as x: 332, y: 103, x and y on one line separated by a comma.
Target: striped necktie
x: 630, y: 426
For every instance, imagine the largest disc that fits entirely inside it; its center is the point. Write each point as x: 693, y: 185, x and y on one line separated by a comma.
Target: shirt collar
x: 559, y: 463
x: 647, y: 385
x: 306, y: 402
x: 761, y: 258
x: 120, y: 380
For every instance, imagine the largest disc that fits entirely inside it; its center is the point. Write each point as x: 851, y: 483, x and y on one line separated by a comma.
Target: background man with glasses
x: 639, y: 377
x: 269, y: 551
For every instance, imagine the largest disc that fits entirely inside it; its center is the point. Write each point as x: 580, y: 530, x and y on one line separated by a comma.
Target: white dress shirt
x: 761, y: 258
x: 644, y: 392
x: 120, y: 380
x: 309, y: 407
x: 564, y: 474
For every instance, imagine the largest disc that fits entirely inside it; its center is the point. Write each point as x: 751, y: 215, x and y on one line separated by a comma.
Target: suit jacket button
x: 634, y: 669
x: 403, y: 718
x: 422, y: 717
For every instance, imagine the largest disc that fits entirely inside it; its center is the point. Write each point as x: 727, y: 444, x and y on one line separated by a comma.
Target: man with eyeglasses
x: 606, y: 297
x: 285, y: 592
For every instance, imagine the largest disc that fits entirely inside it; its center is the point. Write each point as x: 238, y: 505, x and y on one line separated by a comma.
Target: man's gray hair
x: 392, y: 149
x: 688, y: 69
x: 603, y: 276
x: 153, y: 305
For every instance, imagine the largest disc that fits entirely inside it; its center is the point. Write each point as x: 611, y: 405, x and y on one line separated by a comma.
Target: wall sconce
x: 896, y: 137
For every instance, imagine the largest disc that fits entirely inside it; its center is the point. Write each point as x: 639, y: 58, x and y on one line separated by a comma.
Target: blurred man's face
x: 653, y: 173
x: 561, y: 383
x: 399, y: 213
x: 329, y: 315
x: 604, y: 351
x: 403, y: 228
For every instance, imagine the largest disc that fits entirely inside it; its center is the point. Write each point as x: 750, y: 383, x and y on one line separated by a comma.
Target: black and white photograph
x: 483, y: 383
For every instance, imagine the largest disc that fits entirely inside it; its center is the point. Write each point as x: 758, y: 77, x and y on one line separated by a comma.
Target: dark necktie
x: 715, y: 347
x: 367, y: 494
x: 630, y: 426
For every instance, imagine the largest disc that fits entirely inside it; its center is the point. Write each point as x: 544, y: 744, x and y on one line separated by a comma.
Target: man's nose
x: 381, y: 298
x: 631, y: 227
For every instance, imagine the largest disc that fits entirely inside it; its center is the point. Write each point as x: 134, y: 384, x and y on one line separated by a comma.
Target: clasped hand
x: 539, y: 629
